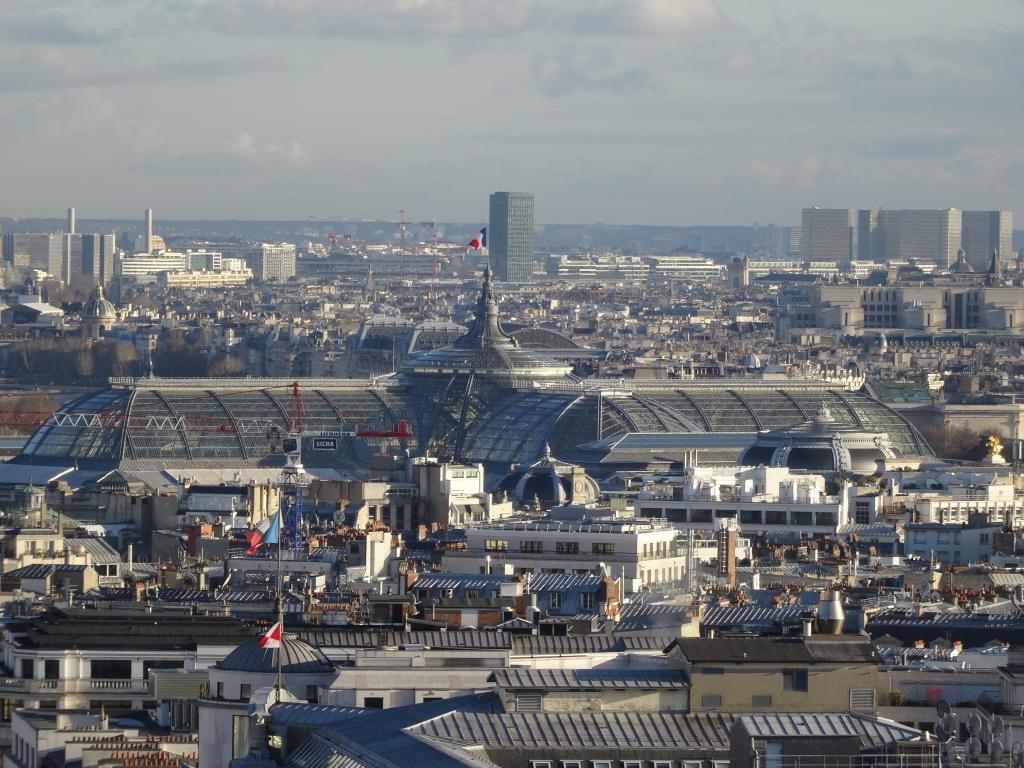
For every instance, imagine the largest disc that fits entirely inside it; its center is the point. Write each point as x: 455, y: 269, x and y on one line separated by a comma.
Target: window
x: 775, y: 517
x: 603, y: 548
x: 632, y: 764
x: 51, y: 669
x: 794, y: 679
x: 531, y: 546
x: 693, y: 764
x: 567, y: 547
x: 496, y: 545
x: 826, y: 518
x: 700, y: 515
x: 661, y: 764
x: 220, y: 690
x: 240, y: 738
x: 983, y: 538
x: 711, y: 700
x: 587, y: 601
x: 760, y: 702
x: 572, y: 764
x: 750, y: 516
x: 540, y: 764
x: 111, y: 669
x: 800, y: 518
x: 28, y: 668
x: 311, y: 694
x: 373, y: 702
x: 245, y: 691
x: 601, y: 764
x: 472, y: 593
x: 555, y: 600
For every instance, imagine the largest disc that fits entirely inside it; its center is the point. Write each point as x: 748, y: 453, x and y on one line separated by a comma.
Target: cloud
x: 917, y: 146
x: 453, y: 19
x: 291, y: 152
x: 562, y: 75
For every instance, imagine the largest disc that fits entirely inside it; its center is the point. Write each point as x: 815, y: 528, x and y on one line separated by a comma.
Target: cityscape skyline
x: 623, y: 99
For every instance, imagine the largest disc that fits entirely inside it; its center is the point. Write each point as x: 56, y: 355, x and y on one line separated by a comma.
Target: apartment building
x: 643, y: 553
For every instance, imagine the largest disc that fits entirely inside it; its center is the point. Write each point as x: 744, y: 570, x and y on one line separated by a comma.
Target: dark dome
x: 299, y: 657
x: 98, y: 307
x: 961, y: 266
x: 487, y: 349
x: 550, y: 482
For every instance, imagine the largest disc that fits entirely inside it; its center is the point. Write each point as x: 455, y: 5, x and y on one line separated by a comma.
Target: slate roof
x: 41, y: 571
x: 872, y: 732
x: 571, y: 679
x: 754, y: 617
x: 522, y: 730
x: 823, y: 649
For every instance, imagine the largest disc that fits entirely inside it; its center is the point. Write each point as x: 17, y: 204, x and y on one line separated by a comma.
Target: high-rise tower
x: 149, y: 230
x: 510, y: 236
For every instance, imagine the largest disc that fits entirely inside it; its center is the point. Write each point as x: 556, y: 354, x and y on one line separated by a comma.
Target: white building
x: 641, y: 552
x: 271, y: 261
x: 758, y: 499
x: 692, y: 267
x: 146, y: 268
x: 950, y: 544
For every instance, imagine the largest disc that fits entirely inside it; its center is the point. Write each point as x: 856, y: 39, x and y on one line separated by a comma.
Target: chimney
x: 71, y: 221
x: 149, y: 230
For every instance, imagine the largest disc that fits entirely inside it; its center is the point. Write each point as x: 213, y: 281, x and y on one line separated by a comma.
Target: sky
x: 676, y: 112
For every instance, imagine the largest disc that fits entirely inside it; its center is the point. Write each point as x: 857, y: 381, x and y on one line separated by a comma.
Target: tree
x: 952, y: 442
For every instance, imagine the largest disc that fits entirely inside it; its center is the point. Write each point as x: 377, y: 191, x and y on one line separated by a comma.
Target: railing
x: 33, y: 685
x: 246, y: 382
x: 924, y: 759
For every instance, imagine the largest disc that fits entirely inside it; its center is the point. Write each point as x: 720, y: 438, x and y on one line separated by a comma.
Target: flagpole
x: 280, y: 606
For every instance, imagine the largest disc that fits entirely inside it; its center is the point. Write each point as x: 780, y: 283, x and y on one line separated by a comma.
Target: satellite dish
x: 995, y: 751
x: 943, y: 708
x: 974, y: 724
x: 973, y: 747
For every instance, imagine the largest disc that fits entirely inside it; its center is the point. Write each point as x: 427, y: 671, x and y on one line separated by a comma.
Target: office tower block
x: 510, y: 236
x: 33, y: 251
x: 828, y: 234
x: 98, y: 257
x: 867, y: 234
x: 983, y: 232
x: 148, y: 246
x: 925, y: 235
x: 271, y: 261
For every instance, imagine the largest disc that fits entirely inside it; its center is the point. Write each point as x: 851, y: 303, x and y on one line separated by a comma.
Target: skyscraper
x: 510, y: 236
x: 926, y: 235
x: 828, y: 234
x: 983, y: 232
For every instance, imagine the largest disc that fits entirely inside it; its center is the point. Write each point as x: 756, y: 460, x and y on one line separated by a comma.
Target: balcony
x: 20, y: 685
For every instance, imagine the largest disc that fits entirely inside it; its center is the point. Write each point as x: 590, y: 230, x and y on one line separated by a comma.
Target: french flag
x: 266, y: 532
x: 480, y: 241
x: 272, y: 639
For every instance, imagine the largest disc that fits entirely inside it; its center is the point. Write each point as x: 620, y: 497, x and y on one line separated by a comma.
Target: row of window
x: 629, y: 764
x: 535, y: 547
x: 749, y: 516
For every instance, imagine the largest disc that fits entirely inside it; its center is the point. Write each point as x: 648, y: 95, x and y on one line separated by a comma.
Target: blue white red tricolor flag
x: 480, y: 241
x: 266, y: 532
x: 272, y: 639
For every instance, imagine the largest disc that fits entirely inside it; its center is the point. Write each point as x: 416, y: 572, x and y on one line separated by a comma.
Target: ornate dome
x: 299, y: 658
x: 551, y: 482
x: 821, y: 444
x: 99, y: 308
x: 487, y: 349
x: 961, y: 265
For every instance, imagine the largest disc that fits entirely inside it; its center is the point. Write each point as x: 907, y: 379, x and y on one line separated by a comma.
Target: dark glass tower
x: 510, y: 236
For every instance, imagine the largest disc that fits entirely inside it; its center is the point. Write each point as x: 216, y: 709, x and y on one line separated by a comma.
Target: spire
x: 995, y: 269
x: 486, y: 329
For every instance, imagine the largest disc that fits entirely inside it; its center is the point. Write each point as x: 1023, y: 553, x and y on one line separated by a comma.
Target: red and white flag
x: 273, y: 637
x: 478, y: 242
